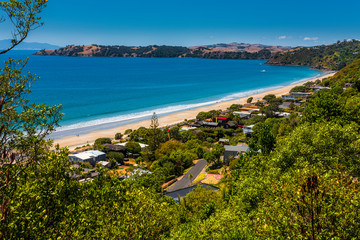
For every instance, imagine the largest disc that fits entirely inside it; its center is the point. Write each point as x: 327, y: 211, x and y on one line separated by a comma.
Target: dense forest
x: 153, y: 52
x: 332, y: 57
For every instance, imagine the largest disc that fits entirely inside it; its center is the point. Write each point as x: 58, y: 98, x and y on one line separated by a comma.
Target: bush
x: 133, y: 147
x: 101, y: 141
x: 118, y: 136
x: 128, y: 131
x: 119, y: 157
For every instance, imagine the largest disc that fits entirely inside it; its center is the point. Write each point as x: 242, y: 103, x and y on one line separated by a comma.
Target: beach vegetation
x: 118, y: 136
x: 133, y: 147
x: 249, y: 100
x: 302, y: 88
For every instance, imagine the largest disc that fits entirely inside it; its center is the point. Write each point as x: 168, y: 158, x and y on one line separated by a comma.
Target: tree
x: 23, y: 126
x: 119, y: 157
x: 249, y: 100
x: 23, y: 14
x: 133, y: 147
x: 269, y: 97
x: 118, y: 136
x: 154, y: 136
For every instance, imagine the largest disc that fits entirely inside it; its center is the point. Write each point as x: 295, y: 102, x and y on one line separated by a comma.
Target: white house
x: 248, y: 129
x: 91, y: 156
x: 142, y: 145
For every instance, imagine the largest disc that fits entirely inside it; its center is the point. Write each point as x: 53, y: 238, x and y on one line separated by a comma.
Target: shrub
x: 133, y: 147
x: 119, y: 157
x: 118, y: 136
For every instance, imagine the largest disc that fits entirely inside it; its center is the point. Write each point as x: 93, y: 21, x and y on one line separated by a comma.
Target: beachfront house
x: 295, y: 95
x: 142, y: 145
x: 245, y: 115
x: 91, y: 157
x: 248, y: 129
x: 232, y: 152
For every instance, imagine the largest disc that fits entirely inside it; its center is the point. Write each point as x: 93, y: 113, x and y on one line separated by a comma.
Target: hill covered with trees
x: 153, y: 51
x: 331, y: 57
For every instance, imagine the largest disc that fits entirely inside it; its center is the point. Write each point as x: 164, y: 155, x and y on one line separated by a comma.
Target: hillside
x: 155, y: 51
x: 328, y: 57
x: 4, y: 44
x: 349, y: 74
x: 243, y: 47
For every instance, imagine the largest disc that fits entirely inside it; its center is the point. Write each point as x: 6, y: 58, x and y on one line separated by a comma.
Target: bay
x: 98, y: 93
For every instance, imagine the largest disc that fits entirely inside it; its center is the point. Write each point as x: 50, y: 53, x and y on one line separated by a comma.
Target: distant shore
x: 173, y: 118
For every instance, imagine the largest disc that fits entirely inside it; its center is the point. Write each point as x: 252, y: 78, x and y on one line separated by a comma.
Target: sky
x: 195, y: 22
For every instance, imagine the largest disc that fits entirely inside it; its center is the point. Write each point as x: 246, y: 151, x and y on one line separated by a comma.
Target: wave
x: 160, y: 111
x: 132, y: 117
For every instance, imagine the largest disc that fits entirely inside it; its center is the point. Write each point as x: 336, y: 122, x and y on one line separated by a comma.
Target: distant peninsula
x: 324, y: 57
x: 216, y: 51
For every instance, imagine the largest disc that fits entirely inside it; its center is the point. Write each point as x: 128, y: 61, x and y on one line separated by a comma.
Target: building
x: 319, y: 88
x: 142, y: 145
x: 104, y: 164
x: 209, y: 124
x: 181, y: 193
x: 295, y: 95
x: 246, y: 115
x: 286, y: 105
x: 115, y: 148
x: 232, y: 152
x: 248, y: 129
x: 91, y: 156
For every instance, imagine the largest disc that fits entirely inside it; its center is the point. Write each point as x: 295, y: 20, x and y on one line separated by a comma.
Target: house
x: 104, y: 164
x: 286, y: 105
x: 248, y: 129
x: 181, y: 193
x: 222, y: 121
x: 115, y: 148
x: 224, y: 141
x: 142, y: 145
x: 246, y: 115
x: 282, y: 114
x: 91, y: 156
x: 185, y: 128
x: 232, y: 152
x: 209, y: 124
x: 319, y: 88
x: 295, y: 95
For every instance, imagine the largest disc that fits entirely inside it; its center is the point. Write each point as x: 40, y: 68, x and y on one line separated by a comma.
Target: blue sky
x: 196, y: 22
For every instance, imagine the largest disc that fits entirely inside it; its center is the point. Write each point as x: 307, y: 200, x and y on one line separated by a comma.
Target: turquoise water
x: 98, y: 93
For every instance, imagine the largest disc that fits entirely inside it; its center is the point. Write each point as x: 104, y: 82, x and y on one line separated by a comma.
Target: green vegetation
x: 303, y: 184
x: 333, y: 57
x: 118, y: 136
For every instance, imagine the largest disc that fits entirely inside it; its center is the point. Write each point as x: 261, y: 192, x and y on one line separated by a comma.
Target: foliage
x: 249, y: 100
x: 334, y: 56
x: 119, y: 157
x: 133, y: 147
x: 300, y: 89
x: 118, y: 136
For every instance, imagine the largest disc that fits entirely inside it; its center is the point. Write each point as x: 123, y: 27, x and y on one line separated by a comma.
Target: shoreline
x: 173, y: 118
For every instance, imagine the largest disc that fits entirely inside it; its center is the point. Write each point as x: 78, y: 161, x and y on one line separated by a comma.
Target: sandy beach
x: 173, y: 118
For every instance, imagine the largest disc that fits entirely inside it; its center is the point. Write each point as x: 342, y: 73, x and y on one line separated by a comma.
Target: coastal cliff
x: 325, y: 57
x: 217, y: 51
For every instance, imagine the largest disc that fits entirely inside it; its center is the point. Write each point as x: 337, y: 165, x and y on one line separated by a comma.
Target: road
x: 185, y: 181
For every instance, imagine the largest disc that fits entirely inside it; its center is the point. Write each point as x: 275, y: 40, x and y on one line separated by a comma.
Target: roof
x: 115, y: 147
x: 103, y: 163
x: 209, y: 123
x: 237, y: 148
x: 87, y: 155
x: 185, y: 191
x: 223, y: 140
x: 249, y: 126
x: 223, y: 118
x: 142, y: 145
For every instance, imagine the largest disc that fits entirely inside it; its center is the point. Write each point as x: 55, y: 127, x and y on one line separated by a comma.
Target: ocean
x: 99, y: 93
